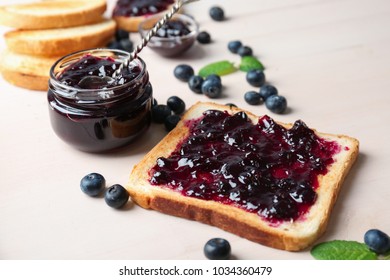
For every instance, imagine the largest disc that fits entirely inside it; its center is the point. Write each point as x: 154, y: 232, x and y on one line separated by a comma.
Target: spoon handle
x: 150, y: 34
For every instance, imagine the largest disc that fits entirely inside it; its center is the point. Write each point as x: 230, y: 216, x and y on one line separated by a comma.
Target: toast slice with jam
x: 269, y: 182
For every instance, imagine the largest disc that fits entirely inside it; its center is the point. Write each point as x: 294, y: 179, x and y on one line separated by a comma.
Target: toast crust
x: 26, y: 71
x: 291, y: 236
x: 61, y: 41
x: 52, y: 14
x: 26, y: 80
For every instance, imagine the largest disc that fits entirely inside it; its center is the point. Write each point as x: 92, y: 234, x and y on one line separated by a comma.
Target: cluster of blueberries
x: 94, y: 184
x: 268, y: 94
x: 237, y: 47
x: 168, y: 114
x: 211, y: 86
x: 116, y: 196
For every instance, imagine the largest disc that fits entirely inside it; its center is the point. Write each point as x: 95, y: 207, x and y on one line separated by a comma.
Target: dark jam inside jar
x: 133, y: 8
x: 172, y: 29
x: 99, y: 113
x: 90, y: 65
x: 262, y: 168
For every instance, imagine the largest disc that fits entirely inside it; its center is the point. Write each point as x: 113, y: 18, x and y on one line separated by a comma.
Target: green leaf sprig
x: 249, y: 63
x: 342, y: 250
x: 219, y: 68
x: 226, y: 67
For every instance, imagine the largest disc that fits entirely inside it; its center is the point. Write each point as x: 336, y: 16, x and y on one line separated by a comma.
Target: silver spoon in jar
x: 88, y: 80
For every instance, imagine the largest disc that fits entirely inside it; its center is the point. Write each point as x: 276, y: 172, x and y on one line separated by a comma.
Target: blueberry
x: 214, y: 77
x: 116, y: 196
x: 253, y: 98
x: 216, y: 13
x: 204, y: 37
x: 244, y: 51
x: 183, y: 72
x: 255, y: 78
x: 212, y: 88
x: 195, y: 83
x: 121, y: 34
x: 176, y: 104
x: 171, y: 122
x: 268, y: 90
x: 93, y: 184
x: 126, y: 45
x: 276, y: 104
x: 377, y: 241
x: 217, y: 249
x: 115, y: 45
x: 160, y: 112
x: 233, y: 46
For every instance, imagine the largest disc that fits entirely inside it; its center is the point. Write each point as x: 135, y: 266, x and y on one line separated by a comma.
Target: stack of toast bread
x: 288, y: 235
x: 45, y: 31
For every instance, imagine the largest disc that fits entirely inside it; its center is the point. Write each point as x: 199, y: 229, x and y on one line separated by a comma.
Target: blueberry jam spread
x: 173, y: 28
x: 132, y: 8
x: 262, y: 168
x: 90, y: 65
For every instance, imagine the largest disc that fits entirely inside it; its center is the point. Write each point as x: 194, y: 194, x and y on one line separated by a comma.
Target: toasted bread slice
x: 52, y: 14
x: 130, y: 24
x: 61, y: 41
x: 288, y: 235
x: 26, y: 71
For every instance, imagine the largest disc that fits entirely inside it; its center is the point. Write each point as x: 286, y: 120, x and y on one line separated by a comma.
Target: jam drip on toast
x: 262, y: 168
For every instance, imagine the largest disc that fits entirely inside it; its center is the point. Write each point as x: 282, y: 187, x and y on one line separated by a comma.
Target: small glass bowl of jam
x: 174, y: 37
x: 99, y: 113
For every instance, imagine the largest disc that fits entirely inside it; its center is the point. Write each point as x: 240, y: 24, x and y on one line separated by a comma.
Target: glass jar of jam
x: 99, y: 113
x: 173, y: 38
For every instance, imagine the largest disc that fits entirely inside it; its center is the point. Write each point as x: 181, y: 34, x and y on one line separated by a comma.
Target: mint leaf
x: 250, y: 63
x: 342, y: 250
x: 219, y: 68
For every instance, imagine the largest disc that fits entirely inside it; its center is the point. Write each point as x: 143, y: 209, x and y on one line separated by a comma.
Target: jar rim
x: 71, y: 92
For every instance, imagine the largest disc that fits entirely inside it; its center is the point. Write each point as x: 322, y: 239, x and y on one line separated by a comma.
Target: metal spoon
x: 87, y: 80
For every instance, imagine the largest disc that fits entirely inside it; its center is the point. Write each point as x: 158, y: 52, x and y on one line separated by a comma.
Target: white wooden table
x: 329, y: 58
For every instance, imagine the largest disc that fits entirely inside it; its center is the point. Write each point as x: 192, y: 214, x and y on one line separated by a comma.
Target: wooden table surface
x: 329, y: 58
